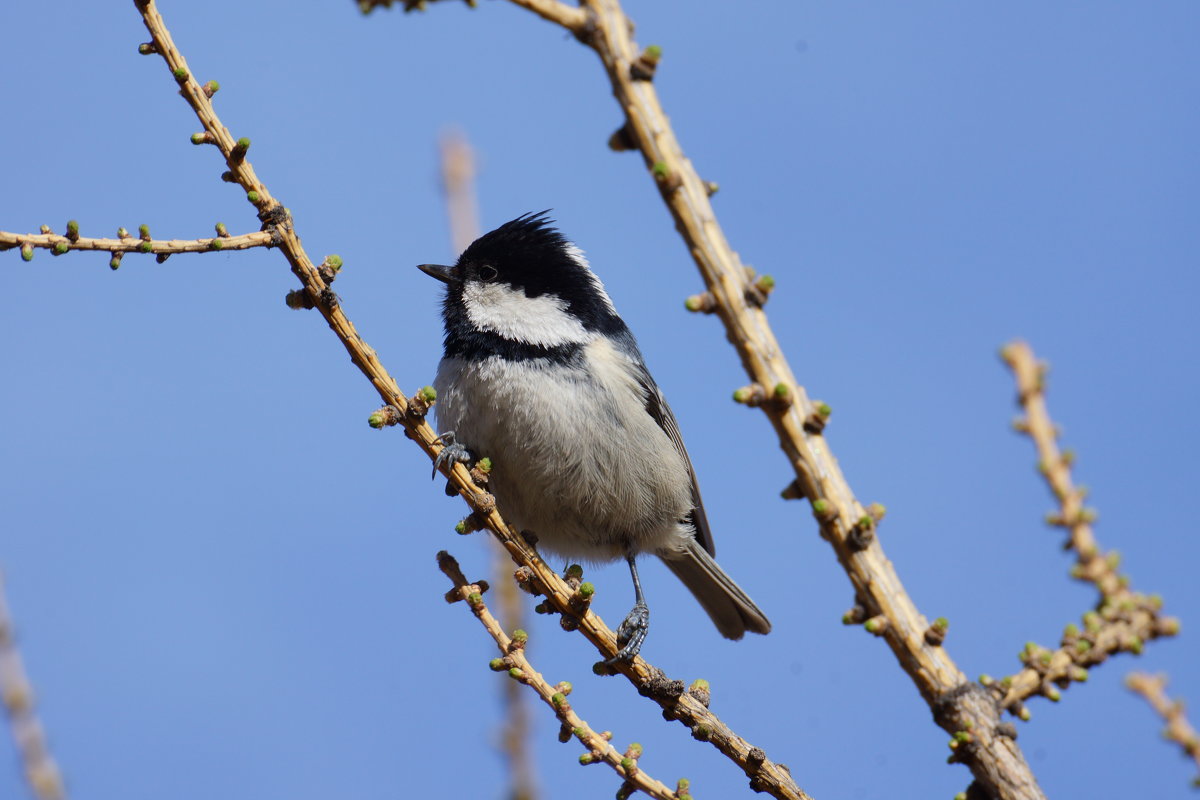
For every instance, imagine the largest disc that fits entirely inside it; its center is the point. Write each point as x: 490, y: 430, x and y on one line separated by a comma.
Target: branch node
x: 701, y: 691
x: 329, y: 299
x: 299, y: 299
x: 668, y: 180
x: 793, y: 491
x: 862, y: 534
x: 238, y: 154
x: 817, y: 419
x: 1007, y: 730
x: 420, y: 403
x: 854, y: 615
x: 622, y: 140
x: 644, y: 66
x: 484, y: 502
x: 703, y: 303
x: 573, y: 576
x: 752, y: 395
x: 524, y: 576
x: 935, y: 634
x: 330, y: 267
x: 824, y: 511
x: 581, y: 600
x: 469, y: 524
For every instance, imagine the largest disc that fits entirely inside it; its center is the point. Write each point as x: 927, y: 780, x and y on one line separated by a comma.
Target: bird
x: 542, y: 376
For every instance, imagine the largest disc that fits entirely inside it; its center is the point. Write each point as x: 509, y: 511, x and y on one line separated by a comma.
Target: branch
x: 42, y: 774
x: 688, y: 709
x: 570, y: 17
x: 737, y: 297
x: 573, y: 19
x: 515, y: 663
x: 1122, y: 620
x: 125, y: 243
x: 1154, y: 689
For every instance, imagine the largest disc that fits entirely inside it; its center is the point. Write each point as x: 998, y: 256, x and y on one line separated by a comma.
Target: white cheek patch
x: 576, y: 255
x: 507, y: 312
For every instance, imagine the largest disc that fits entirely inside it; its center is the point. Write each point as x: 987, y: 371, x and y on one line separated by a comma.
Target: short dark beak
x: 443, y: 274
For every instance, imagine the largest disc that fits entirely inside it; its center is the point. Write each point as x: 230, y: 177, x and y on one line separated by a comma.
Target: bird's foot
x: 452, y: 451
x: 631, y: 634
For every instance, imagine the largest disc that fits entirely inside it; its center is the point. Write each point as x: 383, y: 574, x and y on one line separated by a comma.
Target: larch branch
x: 64, y: 243
x: 765, y: 774
x: 1153, y: 689
x: 737, y: 297
x: 1123, y: 620
x: 516, y: 664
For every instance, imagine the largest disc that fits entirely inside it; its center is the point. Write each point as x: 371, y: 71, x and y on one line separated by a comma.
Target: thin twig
x: 690, y: 711
x: 514, y: 661
x: 16, y: 692
x: 1153, y: 688
x: 1123, y: 620
x: 573, y: 19
x: 458, y: 183
x: 133, y: 244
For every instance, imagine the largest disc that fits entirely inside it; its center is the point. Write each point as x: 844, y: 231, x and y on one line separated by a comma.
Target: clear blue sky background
x: 225, y: 581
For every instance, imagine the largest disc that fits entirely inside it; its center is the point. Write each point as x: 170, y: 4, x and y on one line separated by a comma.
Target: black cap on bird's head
x: 508, y: 281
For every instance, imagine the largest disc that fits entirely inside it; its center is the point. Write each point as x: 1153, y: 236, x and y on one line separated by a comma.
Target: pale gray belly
x: 576, y: 460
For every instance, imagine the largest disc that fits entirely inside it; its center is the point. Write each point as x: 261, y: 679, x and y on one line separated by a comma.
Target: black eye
x: 487, y: 273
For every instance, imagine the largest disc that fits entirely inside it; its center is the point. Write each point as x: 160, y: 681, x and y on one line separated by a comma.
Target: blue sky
x: 225, y: 581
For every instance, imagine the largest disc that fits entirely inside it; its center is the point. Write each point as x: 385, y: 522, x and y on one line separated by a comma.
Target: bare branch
x: 737, y: 296
x: 1153, y: 688
x: 1123, y: 620
x: 16, y: 692
x: 573, y: 19
x: 60, y: 244
x: 513, y: 661
x: 458, y: 183
x: 765, y: 774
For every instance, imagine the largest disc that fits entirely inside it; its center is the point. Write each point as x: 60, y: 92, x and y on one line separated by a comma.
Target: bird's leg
x: 452, y: 451
x: 634, y: 628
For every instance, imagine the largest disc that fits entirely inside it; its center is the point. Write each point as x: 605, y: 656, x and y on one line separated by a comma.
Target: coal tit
x: 542, y: 376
